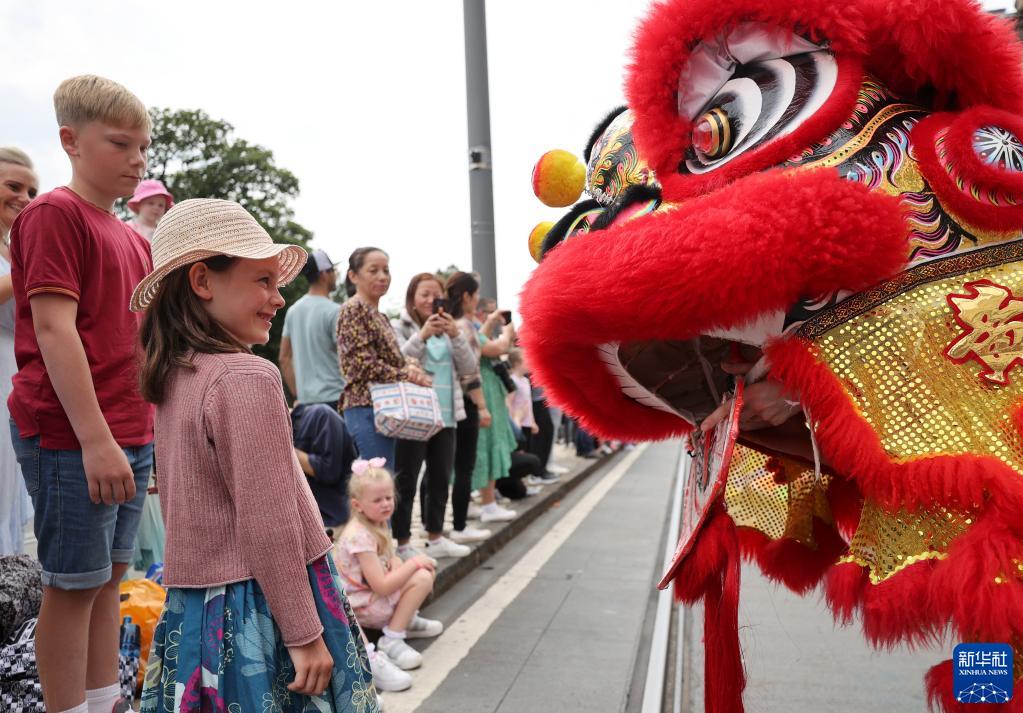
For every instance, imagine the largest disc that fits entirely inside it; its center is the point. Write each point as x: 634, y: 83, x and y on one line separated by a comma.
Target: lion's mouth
x: 681, y: 377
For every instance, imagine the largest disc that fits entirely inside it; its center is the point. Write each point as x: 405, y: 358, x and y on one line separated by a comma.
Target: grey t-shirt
x: 311, y: 325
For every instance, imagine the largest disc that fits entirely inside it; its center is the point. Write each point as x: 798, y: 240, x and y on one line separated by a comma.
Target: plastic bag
x: 142, y: 600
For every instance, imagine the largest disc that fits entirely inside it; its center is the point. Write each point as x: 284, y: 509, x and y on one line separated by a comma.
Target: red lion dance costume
x: 833, y: 191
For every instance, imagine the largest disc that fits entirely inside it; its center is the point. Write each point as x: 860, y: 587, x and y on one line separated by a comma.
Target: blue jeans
x: 78, y: 539
x: 368, y: 440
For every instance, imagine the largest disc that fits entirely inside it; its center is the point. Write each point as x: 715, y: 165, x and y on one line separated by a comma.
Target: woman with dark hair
x: 484, y: 453
x: 430, y: 335
x: 368, y: 351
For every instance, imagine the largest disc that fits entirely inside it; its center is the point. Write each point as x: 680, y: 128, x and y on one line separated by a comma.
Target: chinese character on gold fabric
x: 992, y: 320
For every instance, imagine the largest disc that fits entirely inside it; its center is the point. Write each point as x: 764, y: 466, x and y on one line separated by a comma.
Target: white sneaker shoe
x: 387, y: 676
x: 497, y: 514
x: 422, y: 628
x: 533, y: 490
x: 469, y: 534
x: 407, y: 552
x: 557, y: 469
x: 533, y: 480
x: 444, y: 547
x: 403, y: 655
x: 473, y: 513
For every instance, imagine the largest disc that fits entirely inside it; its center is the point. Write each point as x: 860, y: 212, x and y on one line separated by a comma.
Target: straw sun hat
x: 199, y: 228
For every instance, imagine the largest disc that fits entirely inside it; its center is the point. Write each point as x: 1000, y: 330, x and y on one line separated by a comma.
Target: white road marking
x: 454, y: 644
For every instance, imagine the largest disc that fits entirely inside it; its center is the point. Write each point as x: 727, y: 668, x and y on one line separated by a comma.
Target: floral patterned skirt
x: 219, y: 650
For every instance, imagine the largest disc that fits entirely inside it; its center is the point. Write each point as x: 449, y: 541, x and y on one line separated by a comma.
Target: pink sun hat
x: 148, y: 189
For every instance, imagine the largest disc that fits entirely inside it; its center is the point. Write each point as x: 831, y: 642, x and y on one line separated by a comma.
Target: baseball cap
x: 318, y: 262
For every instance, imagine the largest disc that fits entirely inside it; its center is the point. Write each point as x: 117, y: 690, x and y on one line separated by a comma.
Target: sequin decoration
x: 885, y: 543
x: 998, y: 147
x: 778, y: 507
x: 886, y: 346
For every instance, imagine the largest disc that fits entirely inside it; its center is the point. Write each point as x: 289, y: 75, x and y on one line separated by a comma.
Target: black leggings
x: 465, y: 462
x: 438, y: 452
x: 540, y: 444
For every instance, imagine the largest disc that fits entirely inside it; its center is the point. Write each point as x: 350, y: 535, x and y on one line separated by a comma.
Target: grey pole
x: 481, y: 185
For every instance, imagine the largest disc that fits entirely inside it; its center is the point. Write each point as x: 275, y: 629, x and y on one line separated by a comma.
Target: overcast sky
x: 364, y: 102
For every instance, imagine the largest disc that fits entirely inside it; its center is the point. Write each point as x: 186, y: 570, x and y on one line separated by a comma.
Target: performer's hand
x: 765, y: 404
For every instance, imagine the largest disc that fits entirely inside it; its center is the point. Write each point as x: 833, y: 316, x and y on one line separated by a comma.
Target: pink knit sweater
x: 235, y: 501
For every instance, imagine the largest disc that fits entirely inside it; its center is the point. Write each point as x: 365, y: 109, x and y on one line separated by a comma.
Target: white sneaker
x: 533, y: 490
x: 533, y: 480
x: 497, y: 514
x: 443, y: 547
x: 473, y: 513
x: 422, y: 628
x: 469, y: 534
x: 557, y: 469
x: 407, y: 552
x: 387, y: 676
x: 403, y: 655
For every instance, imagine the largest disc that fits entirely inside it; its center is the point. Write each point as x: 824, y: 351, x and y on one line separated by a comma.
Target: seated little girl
x: 384, y: 592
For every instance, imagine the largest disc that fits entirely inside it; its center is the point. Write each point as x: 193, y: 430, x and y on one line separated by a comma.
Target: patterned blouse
x: 368, y: 352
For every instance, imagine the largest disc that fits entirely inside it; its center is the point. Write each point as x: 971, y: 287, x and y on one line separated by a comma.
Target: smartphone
x: 439, y: 305
x: 506, y: 315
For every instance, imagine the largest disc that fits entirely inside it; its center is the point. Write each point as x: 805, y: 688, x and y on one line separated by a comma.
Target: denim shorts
x: 78, y: 539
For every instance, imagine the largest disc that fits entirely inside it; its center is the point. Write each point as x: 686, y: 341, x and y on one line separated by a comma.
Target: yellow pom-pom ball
x: 558, y: 178
x: 536, y: 237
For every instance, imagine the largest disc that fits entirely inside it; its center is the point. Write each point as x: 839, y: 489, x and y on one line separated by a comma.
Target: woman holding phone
x: 428, y: 333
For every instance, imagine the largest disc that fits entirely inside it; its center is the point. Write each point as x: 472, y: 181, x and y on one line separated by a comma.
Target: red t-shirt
x: 63, y: 244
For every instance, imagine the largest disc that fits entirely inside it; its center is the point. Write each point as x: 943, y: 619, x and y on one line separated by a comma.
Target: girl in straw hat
x: 255, y: 614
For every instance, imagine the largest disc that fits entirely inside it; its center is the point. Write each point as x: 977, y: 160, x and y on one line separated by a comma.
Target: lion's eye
x: 713, y: 133
x: 761, y: 101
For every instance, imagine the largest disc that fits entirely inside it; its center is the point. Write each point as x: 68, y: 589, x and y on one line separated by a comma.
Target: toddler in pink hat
x: 150, y: 202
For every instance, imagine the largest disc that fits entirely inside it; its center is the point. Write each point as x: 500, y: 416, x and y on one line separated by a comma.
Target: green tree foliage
x: 448, y: 271
x: 197, y: 156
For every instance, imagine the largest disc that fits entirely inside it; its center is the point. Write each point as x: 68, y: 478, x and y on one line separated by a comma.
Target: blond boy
x: 82, y: 432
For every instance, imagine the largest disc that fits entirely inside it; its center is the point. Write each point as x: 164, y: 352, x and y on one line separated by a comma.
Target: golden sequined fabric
x: 890, y: 358
x: 777, y: 506
x: 892, y: 350
x: 887, y: 542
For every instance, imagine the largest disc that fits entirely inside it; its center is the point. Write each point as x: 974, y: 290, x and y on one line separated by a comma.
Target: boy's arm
x: 287, y: 365
x: 110, y: 478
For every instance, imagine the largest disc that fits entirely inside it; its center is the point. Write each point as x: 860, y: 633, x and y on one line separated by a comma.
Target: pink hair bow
x: 361, y: 466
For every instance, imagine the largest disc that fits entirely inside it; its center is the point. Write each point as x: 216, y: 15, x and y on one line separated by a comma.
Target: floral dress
x: 219, y: 650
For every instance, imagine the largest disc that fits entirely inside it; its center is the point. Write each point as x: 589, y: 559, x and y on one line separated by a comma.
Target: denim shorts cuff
x: 121, y: 556
x: 77, y: 580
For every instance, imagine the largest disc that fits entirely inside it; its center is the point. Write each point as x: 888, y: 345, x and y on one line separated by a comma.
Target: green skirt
x: 496, y: 443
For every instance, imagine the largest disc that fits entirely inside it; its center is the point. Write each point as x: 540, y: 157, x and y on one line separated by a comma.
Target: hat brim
x: 133, y: 204
x: 292, y: 257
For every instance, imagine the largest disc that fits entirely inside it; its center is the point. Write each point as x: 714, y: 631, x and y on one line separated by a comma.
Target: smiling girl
x: 255, y: 612
x: 18, y: 186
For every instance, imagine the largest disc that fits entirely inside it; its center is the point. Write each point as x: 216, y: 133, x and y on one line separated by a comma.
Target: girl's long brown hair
x: 174, y: 324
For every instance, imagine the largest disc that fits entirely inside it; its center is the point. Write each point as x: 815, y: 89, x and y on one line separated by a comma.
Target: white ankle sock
x: 82, y: 707
x: 490, y: 507
x: 102, y: 700
x: 393, y: 634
